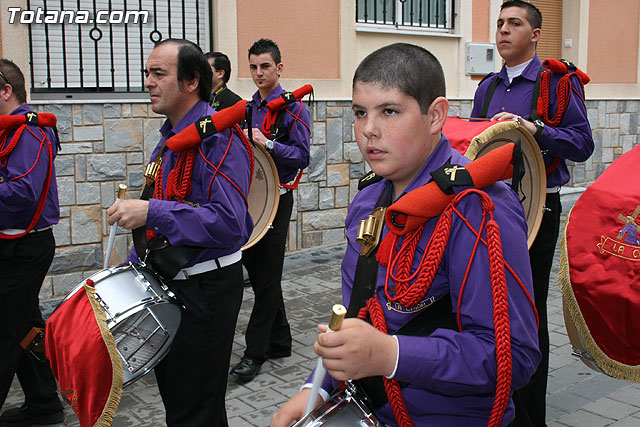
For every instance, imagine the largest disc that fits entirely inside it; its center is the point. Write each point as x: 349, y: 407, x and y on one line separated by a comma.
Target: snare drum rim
x: 275, y: 188
x: 605, y: 364
x: 485, y: 137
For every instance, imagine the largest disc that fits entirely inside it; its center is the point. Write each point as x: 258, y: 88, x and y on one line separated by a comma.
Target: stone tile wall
x: 104, y: 145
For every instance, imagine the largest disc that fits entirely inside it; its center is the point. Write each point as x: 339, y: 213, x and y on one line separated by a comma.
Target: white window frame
x: 396, y: 26
x: 42, y: 35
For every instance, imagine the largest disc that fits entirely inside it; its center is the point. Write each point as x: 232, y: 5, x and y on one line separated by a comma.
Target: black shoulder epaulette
x: 449, y: 176
x: 368, y: 179
x: 486, y: 77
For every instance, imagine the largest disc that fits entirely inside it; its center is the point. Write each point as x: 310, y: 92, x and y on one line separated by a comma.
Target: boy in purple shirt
x: 26, y: 252
x: 518, y: 31
x: 449, y: 375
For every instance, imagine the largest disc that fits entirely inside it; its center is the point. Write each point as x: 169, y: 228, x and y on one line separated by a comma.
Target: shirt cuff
x: 322, y: 392
x: 395, y: 368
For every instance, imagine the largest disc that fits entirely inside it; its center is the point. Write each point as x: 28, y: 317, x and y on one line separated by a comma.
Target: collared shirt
x: 451, y: 374
x: 222, y: 98
x: 292, y: 144
x: 570, y: 140
x: 29, y: 162
x: 216, y: 216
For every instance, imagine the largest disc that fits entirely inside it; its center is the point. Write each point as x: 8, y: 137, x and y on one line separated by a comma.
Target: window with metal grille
x: 430, y: 14
x: 89, y: 46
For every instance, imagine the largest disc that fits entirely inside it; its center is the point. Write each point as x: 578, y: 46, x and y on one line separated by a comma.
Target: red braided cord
x: 12, y: 144
x: 392, y: 387
x: 563, y: 94
x: 47, y: 182
x: 406, y: 293
x: 500, y: 322
x: 179, y: 179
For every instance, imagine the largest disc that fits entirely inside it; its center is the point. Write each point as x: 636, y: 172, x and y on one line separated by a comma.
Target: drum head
x: 264, y: 194
x: 534, y: 182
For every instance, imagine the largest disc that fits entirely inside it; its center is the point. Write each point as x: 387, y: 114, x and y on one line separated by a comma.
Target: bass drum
x: 264, y: 194
x: 475, y: 139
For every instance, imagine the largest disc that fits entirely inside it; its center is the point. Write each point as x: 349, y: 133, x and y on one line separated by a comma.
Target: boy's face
x: 393, y: 135
x: 264, y: 72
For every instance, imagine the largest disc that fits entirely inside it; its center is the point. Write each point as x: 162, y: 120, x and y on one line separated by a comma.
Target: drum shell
x: 494, y: 135
x: 264, y: 194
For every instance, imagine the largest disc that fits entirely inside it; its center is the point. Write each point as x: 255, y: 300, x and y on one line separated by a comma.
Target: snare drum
x: 343, y: 409
x: 141, y: 313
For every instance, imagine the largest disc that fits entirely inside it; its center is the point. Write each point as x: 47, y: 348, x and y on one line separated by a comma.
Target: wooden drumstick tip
x: 337, y: 316
x: 122, y: 189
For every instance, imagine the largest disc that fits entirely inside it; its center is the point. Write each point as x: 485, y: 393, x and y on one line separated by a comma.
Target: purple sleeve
x: 219, y: 217
x: 572, y: 138
x: 294, y: 152
x: 464, y: 363
x: 26, y: 170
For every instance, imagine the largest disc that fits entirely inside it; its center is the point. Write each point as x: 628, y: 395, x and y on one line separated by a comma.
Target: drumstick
x: 112, y: 233
x: 337, y: 316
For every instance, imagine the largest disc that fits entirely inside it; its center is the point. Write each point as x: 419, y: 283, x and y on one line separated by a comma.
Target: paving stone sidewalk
x: 577, y: 396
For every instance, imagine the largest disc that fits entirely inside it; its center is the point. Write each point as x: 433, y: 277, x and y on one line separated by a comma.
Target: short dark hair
x: 266, y: 46
x: 14, y: 77
x: 192, y: 64
x: 411, y: 69
x: 533, y: 14
x: 221, y: 63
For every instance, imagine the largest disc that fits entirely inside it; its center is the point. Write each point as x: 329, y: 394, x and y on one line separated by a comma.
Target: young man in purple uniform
x: 268, y: 334
x: 508, y: 95
x: 448, y: 377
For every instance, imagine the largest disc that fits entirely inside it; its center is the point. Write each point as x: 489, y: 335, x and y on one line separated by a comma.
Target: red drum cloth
x: 460, y: 132
x: 600, y: 268
x: 84, y: 359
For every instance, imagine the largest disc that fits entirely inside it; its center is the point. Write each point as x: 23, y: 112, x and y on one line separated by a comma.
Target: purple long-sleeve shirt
x: 451, y: 374
x: 570, y: 140
x: 29, y: 161
x: 291, y: 149
x: 220, y: 222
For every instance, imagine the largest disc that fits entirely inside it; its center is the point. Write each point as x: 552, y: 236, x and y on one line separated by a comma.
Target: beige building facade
x: 107, y: 135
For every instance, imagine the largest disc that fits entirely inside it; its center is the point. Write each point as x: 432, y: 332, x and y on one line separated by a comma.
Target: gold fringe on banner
x: 106, y: 418
x: 609, y: 366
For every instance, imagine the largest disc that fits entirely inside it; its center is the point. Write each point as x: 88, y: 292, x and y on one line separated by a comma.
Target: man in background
x: 221, y: 96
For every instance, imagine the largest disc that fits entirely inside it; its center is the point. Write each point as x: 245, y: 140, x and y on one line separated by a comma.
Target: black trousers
x: 268, y: 327
x: 24, y: 263
x: 192, y: 378
x: 530, y: 401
